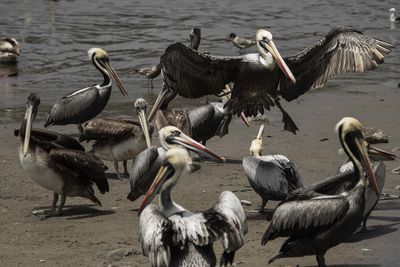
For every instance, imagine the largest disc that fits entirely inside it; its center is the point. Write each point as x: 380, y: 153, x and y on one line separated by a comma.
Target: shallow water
x: 55, y: 37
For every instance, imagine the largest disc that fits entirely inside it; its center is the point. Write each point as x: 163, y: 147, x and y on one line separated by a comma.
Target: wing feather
x: 105, y: 128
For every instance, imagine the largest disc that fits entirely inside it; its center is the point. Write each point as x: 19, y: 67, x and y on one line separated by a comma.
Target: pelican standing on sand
x: 314, y: 224
x: 273, y: 177
x: 85, y: 104
x: 58, y: 162
x: 9, y: 50
x: 170, y: 235
x: 148, y: 162
x: 119, y: 140
x: 392, y: 16
x: 240, y: 42
x: 256, y: 77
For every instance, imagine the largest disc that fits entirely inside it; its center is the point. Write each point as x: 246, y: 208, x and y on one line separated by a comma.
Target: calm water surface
x: 55, y: 37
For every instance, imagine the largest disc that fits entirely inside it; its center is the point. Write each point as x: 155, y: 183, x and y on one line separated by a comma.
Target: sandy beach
x: 88, y: 235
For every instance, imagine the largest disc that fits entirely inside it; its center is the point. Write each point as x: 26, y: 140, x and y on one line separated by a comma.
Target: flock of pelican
x: 314, y: 218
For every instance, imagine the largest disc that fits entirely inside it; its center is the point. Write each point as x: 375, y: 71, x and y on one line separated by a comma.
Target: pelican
x: 85, y: 104
x: 240, y: 42
x: 315, y: 224
x: 9, y: 50
x: 273, y: 177
x: 149, y: 161
x: 58, y: 162
x: 119, y: 140
x: 392, y: 16
x: 201, y: 123
x: 256, y: 77
x: 170, y: 235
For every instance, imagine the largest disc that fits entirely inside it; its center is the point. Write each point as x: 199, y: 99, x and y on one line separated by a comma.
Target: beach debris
x: 121, y: 253
x: 375, y: 135
x: 324, y: 139
x: 366, y: 249
x: 395, y: 170
x: 245, y: 202
x: 387, y: 196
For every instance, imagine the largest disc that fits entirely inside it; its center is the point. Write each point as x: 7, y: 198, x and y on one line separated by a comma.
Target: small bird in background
x: 150, y: 72
x: 240, y: 42
x: 392, y: 16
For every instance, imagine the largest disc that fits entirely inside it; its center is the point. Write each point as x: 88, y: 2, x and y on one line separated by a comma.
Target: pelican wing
x: 155, y: 236
x: 200, y: 115
x: 71, y: 108
x: 192, y: 74
x: 86, y: 167
x: 144, y: 170
x: 341, y: 50
x: 306, y: 216
x: 105, y: 128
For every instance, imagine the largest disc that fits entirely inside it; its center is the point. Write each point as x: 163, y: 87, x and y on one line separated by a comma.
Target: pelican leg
x: 321, y: 260
x: 263, y: 203
x: 151, y: 84
x: 117, y: 170
x: 125, y: 164
x: 289, y: 124
x: 54, y: 205
x: 62, y: 203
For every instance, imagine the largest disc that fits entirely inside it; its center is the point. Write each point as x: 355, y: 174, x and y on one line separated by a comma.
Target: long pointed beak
x: 115, y: 78
x: 365, y: 161
x: 160, y: 98
x: 195, y: 146
x: 377, y: 154
x: 260, y: 132
x: 270, y: 46
x: 155, y: 187
x: 29, y: 118
x: 145, y: 127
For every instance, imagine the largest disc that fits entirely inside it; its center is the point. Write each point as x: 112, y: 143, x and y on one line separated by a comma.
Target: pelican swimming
x: 392, y: 15
x: 9, y: 50
x: 201, y: 123
x: 273, y: 177
x: 148, y: 162
x: 58, y: 162
x: 256, y: 77
x: 85, y: 104
x: 117, y: 139
x: 240, y: 42
x: 314, y: 224
x: 170, y: 235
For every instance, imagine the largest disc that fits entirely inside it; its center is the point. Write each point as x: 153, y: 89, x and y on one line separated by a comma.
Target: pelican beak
x: 244, y: 119
x: 377, y: 154
x: 260, y: 132
x: 365, y: 161
x: 160, y: 98
x: 115, y: 77
x: 270, y: 46
x: 195, y: 146
x: 155, y: 187
x: 29, y: 119
x: 145, y: 126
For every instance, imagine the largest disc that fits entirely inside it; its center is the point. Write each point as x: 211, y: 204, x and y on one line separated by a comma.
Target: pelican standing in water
x: 240, y: 42
x: 170, y: 235
x: 272, y: 177
x: 119, y: 140
x: 314, y: 224
x: 256, y: 77
x: 148, y: 162
x: 58, y: 162
x: 9, y: 50
x: 85, y: 104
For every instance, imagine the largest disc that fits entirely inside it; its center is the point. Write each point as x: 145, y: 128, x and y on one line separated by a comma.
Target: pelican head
x: 266, y: 45
x: 102, y: 62
x: 31, y: 110
x: 353, y: 143
x: 195, y: 37
x: 256, y: 147
x: 392, y: 12
x: 140, y: 106
x: 171, y: 137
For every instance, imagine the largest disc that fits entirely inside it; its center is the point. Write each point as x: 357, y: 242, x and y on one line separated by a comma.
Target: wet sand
x: 85, y: 234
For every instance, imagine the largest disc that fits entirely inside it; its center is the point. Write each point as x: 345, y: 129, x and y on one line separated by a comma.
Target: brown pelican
x: 148, y: 162
x: 170, y: 235
x: 392, y: 16
x: 315, y: 224
x: 119, y: 140
x: 9, y: 50
x: 85, y: 104
x: 240, y: 42
x: 58, y: 162
x: 256, y: 77
x: 273, y: 177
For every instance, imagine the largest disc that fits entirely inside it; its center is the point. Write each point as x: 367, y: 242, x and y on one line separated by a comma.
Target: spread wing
x: 105, y: 128
x: 155, y: 236
x: 87, y: 167
x: 192, y: 74
x: 306, y: 216
x: 341, y: 50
